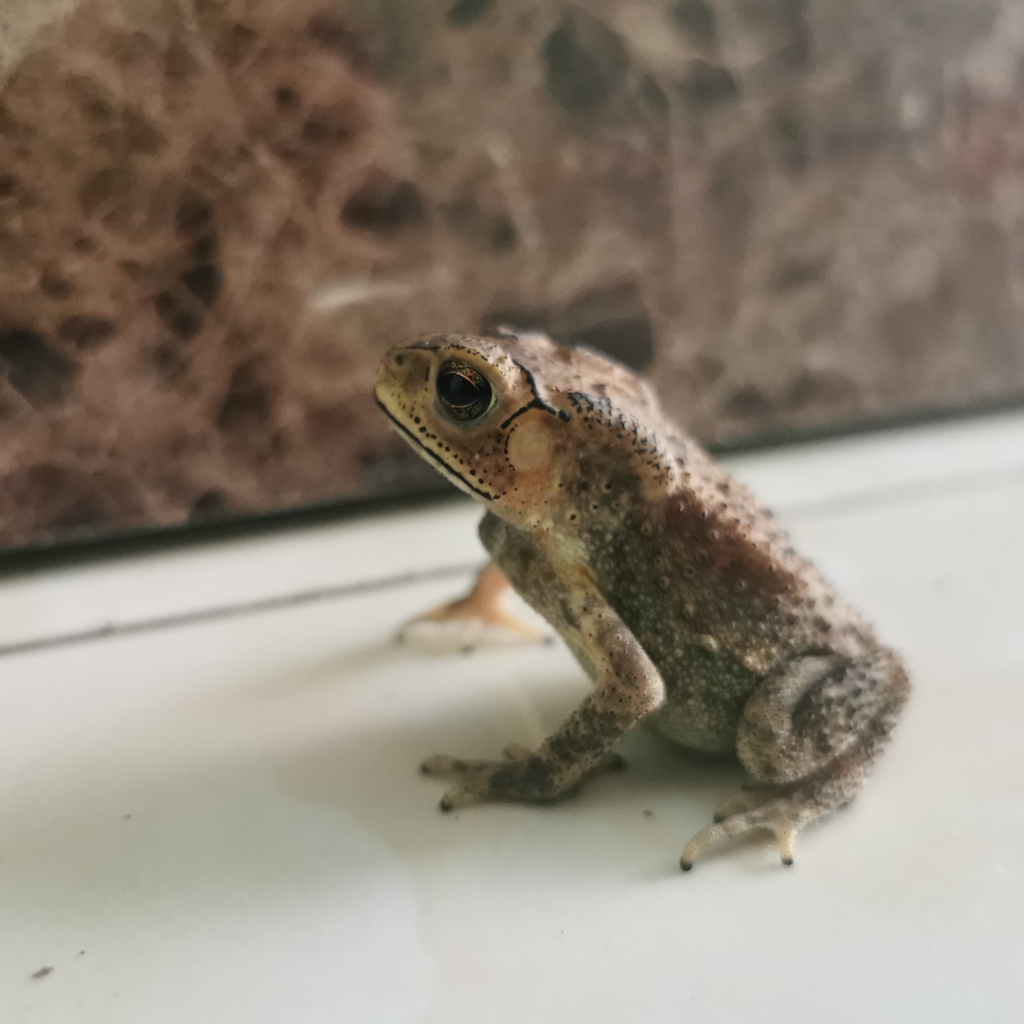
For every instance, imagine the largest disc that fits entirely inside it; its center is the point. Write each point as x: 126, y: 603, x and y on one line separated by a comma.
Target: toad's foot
x: 786, y: 749
x: 776, y: 815
x: 521, y: 776
x: 783, y: 810
x: 477, y: 620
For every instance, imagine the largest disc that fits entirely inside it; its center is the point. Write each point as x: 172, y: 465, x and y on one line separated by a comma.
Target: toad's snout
x: 403, y: 378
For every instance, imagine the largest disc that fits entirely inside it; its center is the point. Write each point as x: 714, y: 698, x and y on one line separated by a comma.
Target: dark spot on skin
x: 696, y: 18
x: 383, y: 205
x: 54, y: 287
x: 84, y: 244
x: 34, y: 367
x: 584, y: 62
x: 286, y: 96
x: 193, y: 213
x: 465, y: 12
x: 177, y: 317
x: 8, y: 183
x: 707, y: 85
x: 86, y: 332
x: 204, y: 283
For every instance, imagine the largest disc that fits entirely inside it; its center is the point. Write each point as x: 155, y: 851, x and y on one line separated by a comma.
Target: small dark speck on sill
x: 648, y: 813
x: 127, y: 817
x: 42, y: 973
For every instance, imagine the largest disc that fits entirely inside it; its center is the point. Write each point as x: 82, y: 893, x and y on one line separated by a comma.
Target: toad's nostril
x: 399, y: 360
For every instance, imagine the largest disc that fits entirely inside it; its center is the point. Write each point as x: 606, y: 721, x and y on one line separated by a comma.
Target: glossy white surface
x: 223, y: 822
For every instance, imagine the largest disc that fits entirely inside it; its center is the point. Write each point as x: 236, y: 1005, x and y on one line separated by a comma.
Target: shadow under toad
x: 631, y: 823
x: 213, y: 829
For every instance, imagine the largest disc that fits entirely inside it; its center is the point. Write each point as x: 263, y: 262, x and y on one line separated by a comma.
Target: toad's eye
x: 462, y: 391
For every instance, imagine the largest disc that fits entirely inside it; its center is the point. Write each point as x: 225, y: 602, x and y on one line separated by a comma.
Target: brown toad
x: 672, y: 585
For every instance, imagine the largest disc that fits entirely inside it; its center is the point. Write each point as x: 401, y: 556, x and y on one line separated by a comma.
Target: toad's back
x: 711, y: 588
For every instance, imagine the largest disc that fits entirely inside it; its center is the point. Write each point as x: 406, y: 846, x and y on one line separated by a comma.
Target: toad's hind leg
x: 809, y: 735
x: 479, y: 619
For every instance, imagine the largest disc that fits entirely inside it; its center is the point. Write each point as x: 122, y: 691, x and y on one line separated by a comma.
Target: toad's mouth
x: 454, y: 475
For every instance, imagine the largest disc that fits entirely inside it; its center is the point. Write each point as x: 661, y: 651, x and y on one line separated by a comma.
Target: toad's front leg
x: 628, y: 687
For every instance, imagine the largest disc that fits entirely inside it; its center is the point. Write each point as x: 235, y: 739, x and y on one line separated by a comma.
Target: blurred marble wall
x: 216, y: 214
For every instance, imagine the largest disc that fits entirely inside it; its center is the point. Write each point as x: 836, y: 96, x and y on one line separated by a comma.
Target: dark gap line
x: 219, y: 614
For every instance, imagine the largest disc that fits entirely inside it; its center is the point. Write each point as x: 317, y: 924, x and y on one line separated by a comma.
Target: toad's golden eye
x: 463, y: 392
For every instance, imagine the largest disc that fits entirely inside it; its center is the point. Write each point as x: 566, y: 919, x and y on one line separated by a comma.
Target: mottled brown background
x: 216, y: 214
